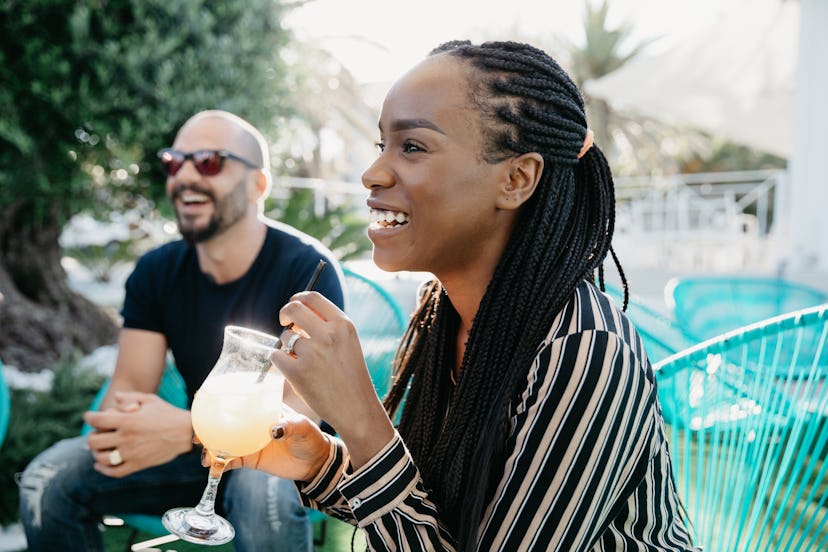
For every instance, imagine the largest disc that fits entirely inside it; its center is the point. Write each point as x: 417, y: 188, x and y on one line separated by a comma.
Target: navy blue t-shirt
x: 168, y: 293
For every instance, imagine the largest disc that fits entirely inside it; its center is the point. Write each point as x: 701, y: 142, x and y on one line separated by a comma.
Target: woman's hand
x: 326, y: 368
x: 297, y: 451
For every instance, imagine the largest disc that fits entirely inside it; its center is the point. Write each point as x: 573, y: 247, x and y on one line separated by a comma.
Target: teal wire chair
x: 5, y: 406
x: 380, y: 323
x: 749, y: 434
x: 662, y: 336
x: 708, y: 306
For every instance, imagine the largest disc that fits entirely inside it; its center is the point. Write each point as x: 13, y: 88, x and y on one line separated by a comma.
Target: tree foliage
x: 40, y: 418
x: 604, y: 50
x: 89, y: 91
x: 339, y: 227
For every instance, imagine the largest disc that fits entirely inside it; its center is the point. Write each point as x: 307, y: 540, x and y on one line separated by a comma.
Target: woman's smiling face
x: 432, y: 196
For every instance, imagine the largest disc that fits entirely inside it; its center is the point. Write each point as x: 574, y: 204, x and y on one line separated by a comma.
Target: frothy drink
x: 232, y: 413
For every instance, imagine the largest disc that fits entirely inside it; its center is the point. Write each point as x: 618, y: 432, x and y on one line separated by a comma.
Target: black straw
x: 309, y: 287
x: 312, y: 282
x: 315, y: 276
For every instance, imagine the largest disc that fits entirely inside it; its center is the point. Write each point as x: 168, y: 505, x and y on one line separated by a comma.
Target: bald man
x: 231, y: 266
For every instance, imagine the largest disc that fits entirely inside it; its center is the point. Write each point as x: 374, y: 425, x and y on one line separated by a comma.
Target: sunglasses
x: 206, y: 162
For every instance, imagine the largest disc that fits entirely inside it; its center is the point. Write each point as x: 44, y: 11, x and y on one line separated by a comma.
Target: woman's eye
x: 380, y: 146
x: 409, y: 147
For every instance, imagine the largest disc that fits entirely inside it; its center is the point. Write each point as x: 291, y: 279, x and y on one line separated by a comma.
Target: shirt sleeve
x: 140, y: 306
x: 385, y: 497
x: 581, y: 434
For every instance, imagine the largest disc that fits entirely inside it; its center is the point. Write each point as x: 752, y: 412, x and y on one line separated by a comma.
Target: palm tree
x: 326, y: 98
x: 328, y: 106
x: 603, y: 51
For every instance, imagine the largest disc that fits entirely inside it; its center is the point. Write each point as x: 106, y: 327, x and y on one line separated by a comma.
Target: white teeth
x: 387, y: 219
x: 191, y: 197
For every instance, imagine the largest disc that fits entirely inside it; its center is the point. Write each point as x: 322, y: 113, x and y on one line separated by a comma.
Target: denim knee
x: 51, y: 497
x: 266, y: 512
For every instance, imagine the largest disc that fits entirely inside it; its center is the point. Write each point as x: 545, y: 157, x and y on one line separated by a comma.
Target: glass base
x: 197, y: 528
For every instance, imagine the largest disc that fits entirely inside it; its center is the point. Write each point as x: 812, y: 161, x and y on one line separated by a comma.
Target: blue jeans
x: 62, y: 499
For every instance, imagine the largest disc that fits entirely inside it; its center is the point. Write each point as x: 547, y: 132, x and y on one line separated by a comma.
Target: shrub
x: 39, y: 419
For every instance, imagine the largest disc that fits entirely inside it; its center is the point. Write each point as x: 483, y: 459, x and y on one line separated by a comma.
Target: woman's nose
x: 378, y: 175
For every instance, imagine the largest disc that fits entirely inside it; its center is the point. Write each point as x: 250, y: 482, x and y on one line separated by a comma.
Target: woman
x: 530, y: 420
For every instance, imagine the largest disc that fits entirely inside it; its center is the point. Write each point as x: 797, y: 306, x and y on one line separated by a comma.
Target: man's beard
x: 227, y: 212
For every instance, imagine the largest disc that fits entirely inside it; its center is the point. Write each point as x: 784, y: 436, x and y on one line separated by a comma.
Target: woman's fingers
x: 306, y: 307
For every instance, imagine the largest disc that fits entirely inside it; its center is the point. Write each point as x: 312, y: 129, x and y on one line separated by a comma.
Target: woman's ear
x: 522, y: 179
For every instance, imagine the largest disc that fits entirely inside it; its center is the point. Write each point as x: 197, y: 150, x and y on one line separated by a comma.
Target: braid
x: 458, y: 435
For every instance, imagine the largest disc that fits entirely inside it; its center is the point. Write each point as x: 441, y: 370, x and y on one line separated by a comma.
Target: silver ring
x: 291, y: 343
x: 115, y: 458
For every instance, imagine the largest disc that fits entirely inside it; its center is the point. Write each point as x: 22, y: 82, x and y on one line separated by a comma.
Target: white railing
x: 706, y: 221
x: 326, y: 192
x: 703, y: 221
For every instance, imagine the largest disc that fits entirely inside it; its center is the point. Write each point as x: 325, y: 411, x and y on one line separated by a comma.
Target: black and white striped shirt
x: 589, y: 467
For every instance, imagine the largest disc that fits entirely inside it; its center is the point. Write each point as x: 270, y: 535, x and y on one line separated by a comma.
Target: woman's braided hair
x: 457, y: 433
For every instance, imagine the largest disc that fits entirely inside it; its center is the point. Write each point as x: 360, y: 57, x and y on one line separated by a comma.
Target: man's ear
x: 522, y: 179
x: 262, y: 184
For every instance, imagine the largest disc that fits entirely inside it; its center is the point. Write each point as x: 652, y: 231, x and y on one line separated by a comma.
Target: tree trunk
x: 600, y: 124
x: 41, y: 320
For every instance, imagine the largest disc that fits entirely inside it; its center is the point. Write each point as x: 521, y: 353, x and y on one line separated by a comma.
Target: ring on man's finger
x: 292, y: 343
x: 115, y: 458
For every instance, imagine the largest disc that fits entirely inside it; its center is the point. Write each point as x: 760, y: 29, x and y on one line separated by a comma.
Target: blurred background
x: 711, y: 113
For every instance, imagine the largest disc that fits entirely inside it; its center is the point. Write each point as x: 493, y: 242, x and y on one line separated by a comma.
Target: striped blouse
x: 588, y: 468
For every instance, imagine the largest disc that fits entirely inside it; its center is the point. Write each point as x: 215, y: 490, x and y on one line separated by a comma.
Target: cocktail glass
x: 232, y: 413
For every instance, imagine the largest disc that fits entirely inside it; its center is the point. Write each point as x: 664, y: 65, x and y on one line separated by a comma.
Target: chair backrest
x: 747, y: 416
x: 380, y: 322
x: 708, y: 306
x: 662, y: 336
x: 5, y: 406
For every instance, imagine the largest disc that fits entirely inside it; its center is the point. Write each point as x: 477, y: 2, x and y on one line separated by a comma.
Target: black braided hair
x: 457, y: 433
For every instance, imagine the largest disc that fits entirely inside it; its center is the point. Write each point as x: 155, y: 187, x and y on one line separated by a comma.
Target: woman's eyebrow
x: 408, y: 124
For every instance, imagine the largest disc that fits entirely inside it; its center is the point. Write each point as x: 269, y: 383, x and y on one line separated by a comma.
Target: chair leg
x: 133, y: 534
x: 323, y: 532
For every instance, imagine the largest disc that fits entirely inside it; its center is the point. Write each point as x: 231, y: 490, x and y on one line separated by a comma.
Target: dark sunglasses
x: 206, y: 162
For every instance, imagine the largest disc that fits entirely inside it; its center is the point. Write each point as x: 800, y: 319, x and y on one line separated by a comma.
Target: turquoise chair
x: 748, y: 430
x: 662, y: 336
x: 5, y: 406
x: 173, y: 390
x: 707, y: 306
x: 380, y: 323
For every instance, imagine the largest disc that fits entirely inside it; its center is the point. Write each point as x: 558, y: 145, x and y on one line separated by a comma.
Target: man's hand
x: 145, y: 431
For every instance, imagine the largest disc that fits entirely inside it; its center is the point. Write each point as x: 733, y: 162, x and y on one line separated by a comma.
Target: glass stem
x: 207, y: 505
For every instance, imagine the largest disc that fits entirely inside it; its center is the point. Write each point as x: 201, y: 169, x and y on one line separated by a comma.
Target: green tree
x: 603, y: 51
x: 89, y: 90
x: 339, y: 226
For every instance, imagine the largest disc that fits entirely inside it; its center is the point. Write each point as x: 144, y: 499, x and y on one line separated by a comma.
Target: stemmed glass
x: 232, y: 414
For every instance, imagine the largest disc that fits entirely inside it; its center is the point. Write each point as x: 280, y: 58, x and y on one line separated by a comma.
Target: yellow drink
x: 233, y: 413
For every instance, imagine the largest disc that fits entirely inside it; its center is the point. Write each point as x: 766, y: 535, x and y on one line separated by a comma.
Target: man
x: 232, y: 266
